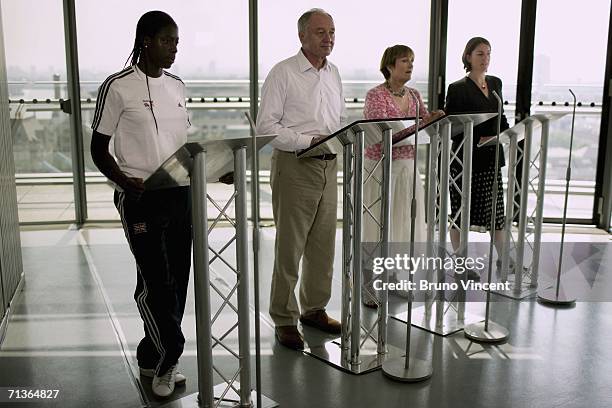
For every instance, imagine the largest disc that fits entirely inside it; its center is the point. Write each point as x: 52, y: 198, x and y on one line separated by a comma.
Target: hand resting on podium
x: 435, y: 115
x: 486, y: 141
x: 317, y: 139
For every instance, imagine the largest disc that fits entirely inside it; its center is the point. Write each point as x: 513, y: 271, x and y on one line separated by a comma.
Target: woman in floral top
x: 392, y: 99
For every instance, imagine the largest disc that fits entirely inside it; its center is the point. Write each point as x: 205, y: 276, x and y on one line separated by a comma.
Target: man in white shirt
x: 302, y: 101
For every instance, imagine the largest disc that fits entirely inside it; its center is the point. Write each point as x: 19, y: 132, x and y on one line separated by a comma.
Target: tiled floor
x: 75, y: 328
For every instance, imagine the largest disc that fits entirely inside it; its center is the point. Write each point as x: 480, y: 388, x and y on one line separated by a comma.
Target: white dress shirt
x: 299, y: 102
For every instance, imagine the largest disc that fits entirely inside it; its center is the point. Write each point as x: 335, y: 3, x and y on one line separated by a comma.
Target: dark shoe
x: 289, y: 336
x: 320, y: 320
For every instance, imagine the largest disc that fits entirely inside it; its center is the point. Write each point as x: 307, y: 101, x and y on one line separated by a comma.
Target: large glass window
x: 570, y: 52
x: 36, y: 71
x: 212, y: 60
x: 362, y: 34
x: 475, y: 18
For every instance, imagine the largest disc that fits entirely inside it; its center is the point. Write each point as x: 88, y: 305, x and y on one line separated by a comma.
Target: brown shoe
x: 320, y: 320
x: 289, y: 336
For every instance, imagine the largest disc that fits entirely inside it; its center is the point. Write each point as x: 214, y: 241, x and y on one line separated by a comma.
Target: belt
x: 327, y: 156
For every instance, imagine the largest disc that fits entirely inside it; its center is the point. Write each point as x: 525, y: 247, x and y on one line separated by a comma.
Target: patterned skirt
x: 481, y: 199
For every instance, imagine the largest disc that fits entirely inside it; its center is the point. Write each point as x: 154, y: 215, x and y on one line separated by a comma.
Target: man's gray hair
x: 305, y: 18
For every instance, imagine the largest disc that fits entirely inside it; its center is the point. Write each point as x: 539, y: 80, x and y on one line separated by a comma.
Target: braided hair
x: 151, y: 23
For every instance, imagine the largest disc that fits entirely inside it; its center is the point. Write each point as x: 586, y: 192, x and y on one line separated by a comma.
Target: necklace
x: 482, y: 85
x: 399, y: 94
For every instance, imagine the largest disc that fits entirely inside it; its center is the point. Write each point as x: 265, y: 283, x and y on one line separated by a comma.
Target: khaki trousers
x: 304, y: 204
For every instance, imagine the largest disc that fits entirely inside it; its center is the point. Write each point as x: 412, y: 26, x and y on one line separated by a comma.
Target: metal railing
x: 28, y: 110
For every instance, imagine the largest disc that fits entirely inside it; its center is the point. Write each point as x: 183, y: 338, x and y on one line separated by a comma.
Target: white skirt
x: 401, y: 196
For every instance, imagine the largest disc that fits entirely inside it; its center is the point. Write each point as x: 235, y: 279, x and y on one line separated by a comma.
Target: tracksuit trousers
x: 158, y: 229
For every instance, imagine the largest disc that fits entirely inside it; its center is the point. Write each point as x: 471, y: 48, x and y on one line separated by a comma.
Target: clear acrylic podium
x: 359, y: 350
x: 194, y: 164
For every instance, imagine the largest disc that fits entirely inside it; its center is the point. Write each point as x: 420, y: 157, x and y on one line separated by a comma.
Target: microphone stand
x: 487, y: 331
x: 550, y: 295
x: 406, y: 368
x: 255, y: 215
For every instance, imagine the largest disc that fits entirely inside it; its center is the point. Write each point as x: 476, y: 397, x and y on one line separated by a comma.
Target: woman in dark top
x: 474, y: 93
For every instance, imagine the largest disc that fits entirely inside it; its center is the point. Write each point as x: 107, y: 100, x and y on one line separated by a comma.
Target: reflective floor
x: 75, y: 328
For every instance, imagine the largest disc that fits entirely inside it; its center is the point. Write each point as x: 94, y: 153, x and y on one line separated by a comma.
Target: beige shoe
x: 180, y: 379
x: 163, y: 386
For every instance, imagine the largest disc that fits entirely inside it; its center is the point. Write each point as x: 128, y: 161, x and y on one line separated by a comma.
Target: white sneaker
x: 150, y: 373
x: 163, y: 386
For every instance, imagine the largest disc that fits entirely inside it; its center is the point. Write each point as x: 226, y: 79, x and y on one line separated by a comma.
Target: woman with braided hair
x: 142, y: 109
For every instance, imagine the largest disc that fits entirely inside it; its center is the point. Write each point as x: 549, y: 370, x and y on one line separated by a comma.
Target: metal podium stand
x: 199, y: 163
x: 529, y: 234
x: 450, y: 316
x: 358, y: 350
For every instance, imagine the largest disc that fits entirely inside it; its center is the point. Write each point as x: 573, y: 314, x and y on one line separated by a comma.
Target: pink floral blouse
x: 379, y: 104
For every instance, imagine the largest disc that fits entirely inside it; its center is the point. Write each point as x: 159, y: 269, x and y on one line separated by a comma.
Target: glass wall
x: 363, y: 31
x: 570, y: 52
x: 360, y: 38
x: 474, y: 18
x: 36, y: 70
x: 212, y: 60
